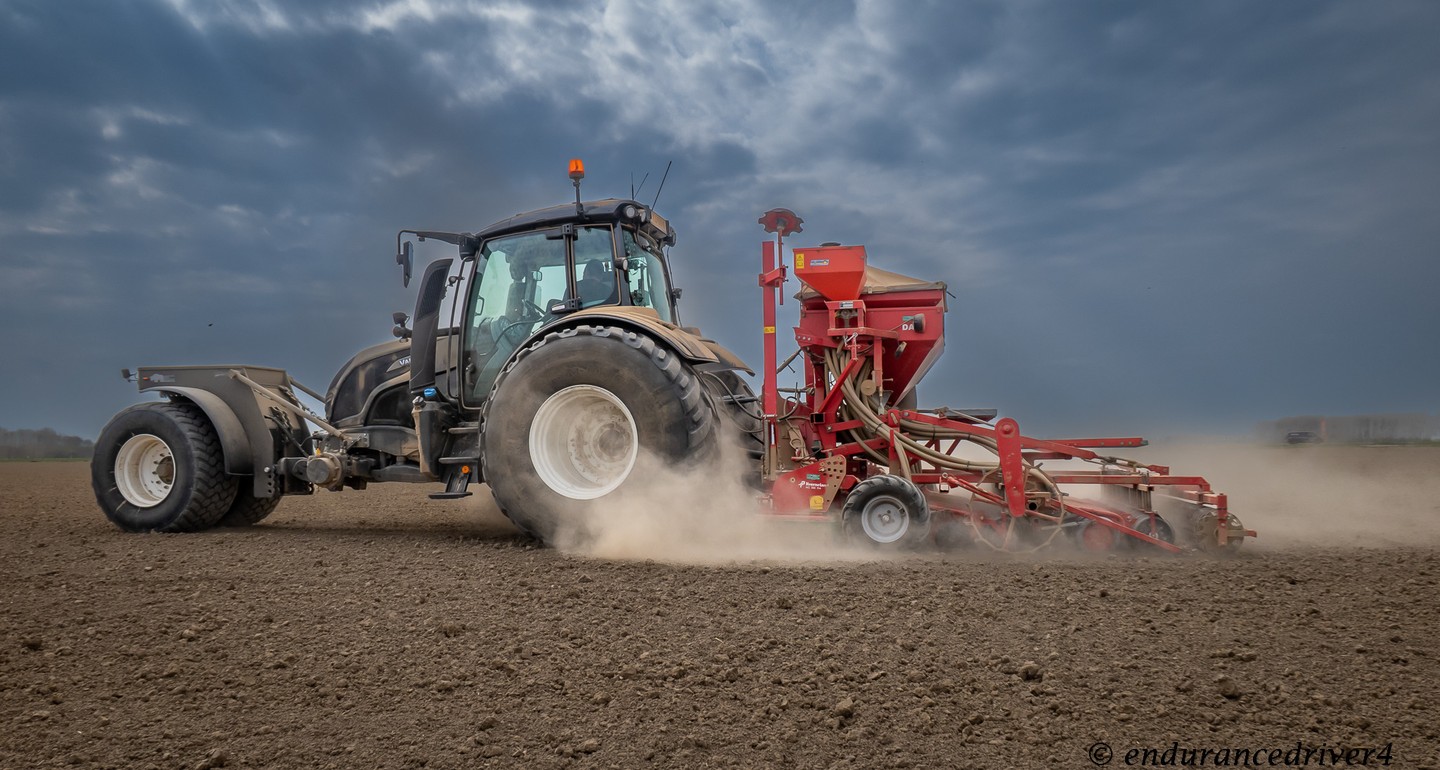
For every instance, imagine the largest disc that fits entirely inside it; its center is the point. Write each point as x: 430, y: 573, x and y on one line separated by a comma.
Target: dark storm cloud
x: 1168, y: 215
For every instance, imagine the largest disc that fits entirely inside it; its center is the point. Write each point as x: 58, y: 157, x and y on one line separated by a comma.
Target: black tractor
x: 546, y: 359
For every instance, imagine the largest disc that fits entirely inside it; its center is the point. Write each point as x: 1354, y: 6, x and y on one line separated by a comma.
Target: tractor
x: 542, y: 359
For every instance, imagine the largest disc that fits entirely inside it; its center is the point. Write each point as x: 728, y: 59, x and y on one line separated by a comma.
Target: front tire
x: 159, y: 467
x: 569, y: 419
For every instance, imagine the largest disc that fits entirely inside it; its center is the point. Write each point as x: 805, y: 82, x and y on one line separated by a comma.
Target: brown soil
x: 381, y: 629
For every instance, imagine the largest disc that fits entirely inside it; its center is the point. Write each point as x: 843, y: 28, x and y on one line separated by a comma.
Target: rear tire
x: 886, y: 512
x: 247, y: 508
x: 159, y: 467
x: 570, y: 417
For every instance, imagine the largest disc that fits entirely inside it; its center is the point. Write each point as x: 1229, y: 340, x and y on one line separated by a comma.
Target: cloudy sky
x: 1154, y: 217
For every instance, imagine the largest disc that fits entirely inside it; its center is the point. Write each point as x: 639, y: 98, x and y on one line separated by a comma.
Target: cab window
x: 648, y: 285
x: 595, y: 279
x: 523, y: 275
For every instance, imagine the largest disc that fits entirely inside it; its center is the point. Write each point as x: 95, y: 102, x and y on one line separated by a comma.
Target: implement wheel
x: 573, y: 416
x: 886, y: 512
x: 1095, y: 537
x: 158, y: 467
x: 1207, y: 529
x: 1154, y: 526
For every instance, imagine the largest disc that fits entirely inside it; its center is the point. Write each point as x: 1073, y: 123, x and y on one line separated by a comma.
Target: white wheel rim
x: 884, y: 519
x: 144, y: 470
x: 583, y: 442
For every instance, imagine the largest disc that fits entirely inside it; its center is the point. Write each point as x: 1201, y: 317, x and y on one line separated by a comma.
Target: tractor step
x: 456, y: 482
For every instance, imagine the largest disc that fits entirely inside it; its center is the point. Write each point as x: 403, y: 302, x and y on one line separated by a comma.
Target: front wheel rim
x: 884, y: 519
x: 583, y: 442
x: 144, y: 470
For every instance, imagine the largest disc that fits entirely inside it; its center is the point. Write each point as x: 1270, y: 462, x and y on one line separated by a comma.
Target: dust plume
x: 700, y: 515
x: 1332, y: 495
x: 1326, y: 495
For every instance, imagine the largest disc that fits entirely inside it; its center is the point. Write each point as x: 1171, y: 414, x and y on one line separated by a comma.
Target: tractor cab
x: 528, y: 272
x: 534, y: 269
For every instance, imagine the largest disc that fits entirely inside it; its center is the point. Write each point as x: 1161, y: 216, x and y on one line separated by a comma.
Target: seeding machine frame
x: 852, y: 437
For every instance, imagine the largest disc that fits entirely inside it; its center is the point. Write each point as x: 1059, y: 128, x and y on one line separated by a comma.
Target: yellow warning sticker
x: 817, y: 502
x: 769, y: 330
x: 799, y: 260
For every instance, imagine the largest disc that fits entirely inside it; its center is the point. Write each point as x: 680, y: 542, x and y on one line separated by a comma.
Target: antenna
x: 662, y: 185
x: 634, y: 191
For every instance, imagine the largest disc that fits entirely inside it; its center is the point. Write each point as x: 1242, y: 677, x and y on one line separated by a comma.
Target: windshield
x: 649, y: 286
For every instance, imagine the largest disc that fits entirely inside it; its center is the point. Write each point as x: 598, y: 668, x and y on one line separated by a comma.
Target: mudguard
x: 233, y: 441
x: 687, y: 344
x: 242, y: 422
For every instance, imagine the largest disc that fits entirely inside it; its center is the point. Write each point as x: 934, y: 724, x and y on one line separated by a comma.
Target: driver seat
x: 597, y: 287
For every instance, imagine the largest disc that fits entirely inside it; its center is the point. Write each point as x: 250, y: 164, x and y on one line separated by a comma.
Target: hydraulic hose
x: 856, y: 406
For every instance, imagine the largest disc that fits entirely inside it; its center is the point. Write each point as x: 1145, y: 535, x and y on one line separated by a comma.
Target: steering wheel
x: 529, y: 313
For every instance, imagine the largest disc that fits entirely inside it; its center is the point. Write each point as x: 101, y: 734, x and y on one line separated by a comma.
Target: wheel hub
x: 583, y: 442
x: 144, y: 470
x: 884, y: 519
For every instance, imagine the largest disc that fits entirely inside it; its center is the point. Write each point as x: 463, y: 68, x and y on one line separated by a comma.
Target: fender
x: 684, y: 342
x: 726, y: 358
x: 233, y: 441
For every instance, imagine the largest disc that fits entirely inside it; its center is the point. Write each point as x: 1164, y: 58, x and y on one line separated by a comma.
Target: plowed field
x: 381, y: 629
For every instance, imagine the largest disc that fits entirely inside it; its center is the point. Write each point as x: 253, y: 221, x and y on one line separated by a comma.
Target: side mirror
x: 406, y: 260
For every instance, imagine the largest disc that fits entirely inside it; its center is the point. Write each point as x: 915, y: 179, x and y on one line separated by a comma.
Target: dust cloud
x: 1301, y: 496
x: 700, y: 515
x: 1319, y: 494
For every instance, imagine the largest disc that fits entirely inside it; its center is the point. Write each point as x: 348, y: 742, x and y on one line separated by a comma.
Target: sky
x: 1154, y: 217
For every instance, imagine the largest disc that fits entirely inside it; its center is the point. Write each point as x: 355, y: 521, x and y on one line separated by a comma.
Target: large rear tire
x: 159, y: 467
x: 247, y: 508
x: 571, y: 417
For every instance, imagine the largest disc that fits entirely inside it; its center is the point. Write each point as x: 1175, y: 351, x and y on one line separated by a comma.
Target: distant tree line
x: 32, y: 444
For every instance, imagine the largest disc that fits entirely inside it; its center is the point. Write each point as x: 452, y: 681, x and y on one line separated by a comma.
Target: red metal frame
x: 881, y: 331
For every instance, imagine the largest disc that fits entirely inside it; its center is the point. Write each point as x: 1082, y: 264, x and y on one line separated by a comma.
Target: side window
x: 595, y: 282
x: 647, y: 285
x: 522, y: 275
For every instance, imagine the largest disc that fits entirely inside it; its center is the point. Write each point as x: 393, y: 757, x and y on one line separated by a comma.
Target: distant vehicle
x: 1302, y: 437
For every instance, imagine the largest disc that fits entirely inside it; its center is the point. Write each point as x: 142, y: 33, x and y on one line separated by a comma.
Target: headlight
x: 630, y: 211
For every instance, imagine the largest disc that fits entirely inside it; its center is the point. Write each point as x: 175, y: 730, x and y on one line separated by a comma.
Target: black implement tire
x: 247, y: 508
x: 158, y: 467
x: 573, y: 407
x: 886, y: 512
